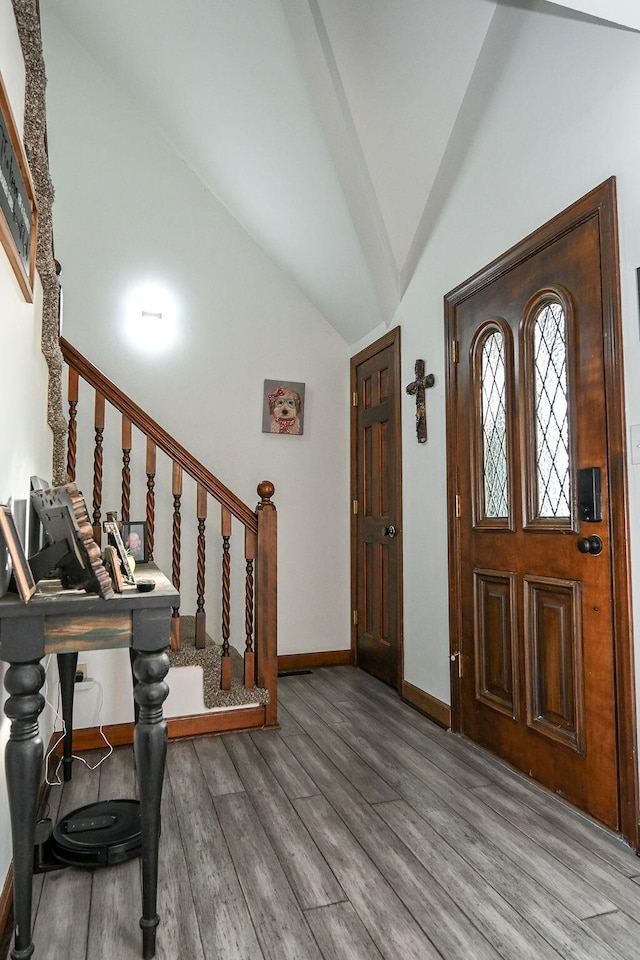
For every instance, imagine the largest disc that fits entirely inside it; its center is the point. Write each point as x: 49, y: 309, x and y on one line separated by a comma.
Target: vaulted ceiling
x: 321, y: 125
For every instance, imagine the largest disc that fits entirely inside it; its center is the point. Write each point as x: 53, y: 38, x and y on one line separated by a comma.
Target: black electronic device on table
x: 69, y: 550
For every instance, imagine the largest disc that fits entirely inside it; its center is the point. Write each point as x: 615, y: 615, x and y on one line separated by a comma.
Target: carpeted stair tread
x: 210, y: 658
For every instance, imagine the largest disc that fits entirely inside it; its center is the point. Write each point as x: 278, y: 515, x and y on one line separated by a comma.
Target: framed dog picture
x: 134, y: 536
x: 283, y: 407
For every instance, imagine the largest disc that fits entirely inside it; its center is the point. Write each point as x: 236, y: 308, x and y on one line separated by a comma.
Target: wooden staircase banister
x: 259, y: 540
x: 160, y: 437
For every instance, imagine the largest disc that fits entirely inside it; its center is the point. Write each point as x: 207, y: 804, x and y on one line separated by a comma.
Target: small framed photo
x: 283, y: 407
x: 21, y: 570
x: 134, y: 536
x: 114, y: 569
x: 115, y: 540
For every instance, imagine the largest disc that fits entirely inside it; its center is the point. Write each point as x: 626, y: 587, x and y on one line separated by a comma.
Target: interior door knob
x: 390, y: 532
x: 591, y: 544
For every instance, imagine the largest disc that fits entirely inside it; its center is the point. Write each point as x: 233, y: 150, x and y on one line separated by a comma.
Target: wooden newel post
x: 267, y: 594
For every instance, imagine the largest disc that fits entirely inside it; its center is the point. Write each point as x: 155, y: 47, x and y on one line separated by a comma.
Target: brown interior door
x: 376, y: 481
x: 533, y: 543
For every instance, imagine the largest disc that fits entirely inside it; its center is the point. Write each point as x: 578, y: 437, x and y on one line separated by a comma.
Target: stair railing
x: 260, y: 526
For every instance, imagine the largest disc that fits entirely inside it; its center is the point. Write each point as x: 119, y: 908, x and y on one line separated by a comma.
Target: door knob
x: 389, y: 532
x: 591, y: 544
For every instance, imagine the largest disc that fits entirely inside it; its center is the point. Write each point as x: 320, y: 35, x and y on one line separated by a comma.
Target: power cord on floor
x: 58, y: 717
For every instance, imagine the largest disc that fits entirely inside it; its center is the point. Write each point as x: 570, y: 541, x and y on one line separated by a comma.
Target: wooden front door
x: 538, y: 510
x: 377, y: 507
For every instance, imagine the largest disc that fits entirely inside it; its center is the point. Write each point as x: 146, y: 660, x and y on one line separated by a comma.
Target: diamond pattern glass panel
x: 494, y: 427
x: 551, y: 412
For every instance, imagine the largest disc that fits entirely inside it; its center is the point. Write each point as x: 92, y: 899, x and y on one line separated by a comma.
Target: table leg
x: 132, y: 659
x: 67, y: 664
x: 23, y: 764
x: 150, y: 744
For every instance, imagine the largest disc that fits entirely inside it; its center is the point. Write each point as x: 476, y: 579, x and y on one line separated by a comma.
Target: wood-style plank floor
x: 357, y: 831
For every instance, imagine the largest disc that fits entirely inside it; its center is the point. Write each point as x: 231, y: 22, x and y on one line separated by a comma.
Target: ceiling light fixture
x: 151, y: 318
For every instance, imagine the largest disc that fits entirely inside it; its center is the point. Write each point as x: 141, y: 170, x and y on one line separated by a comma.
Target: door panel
x: 553, y: 651
x: 376, y: 534
x: 496, y: 652
x: 534, y: 618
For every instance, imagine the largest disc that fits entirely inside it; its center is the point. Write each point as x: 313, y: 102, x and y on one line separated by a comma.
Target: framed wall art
x: 283, y: 407
x: 21, y: 570
x: 18, y: 211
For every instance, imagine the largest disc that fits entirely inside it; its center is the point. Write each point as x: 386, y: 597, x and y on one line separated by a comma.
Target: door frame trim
x: 390, y: 339
x: 599, y: 203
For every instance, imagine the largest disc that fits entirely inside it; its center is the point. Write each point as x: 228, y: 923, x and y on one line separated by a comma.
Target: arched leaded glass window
x: 551, y: 412
x: 494, y: 426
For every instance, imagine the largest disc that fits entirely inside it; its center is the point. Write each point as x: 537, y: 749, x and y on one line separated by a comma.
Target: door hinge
x: 355, y: 618
x: 354, y: 398
x: 355, y: 507
x: 457, y: 506
x: 457, y: 657
x: 455, y: 350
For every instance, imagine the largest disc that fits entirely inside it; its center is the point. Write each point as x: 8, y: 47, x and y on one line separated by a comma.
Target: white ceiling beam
x: 626, y: 13
x: 325, y: 86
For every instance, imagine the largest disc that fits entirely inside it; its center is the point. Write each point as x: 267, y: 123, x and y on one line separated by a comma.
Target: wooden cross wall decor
x: 418, y: 387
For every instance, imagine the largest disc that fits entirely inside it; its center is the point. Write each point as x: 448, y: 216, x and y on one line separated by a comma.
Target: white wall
x: 25, y: 440
x: 128, y: 209
x: 552, y: 112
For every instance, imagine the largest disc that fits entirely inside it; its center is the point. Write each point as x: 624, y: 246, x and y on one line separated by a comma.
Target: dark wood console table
x: 66, y: 622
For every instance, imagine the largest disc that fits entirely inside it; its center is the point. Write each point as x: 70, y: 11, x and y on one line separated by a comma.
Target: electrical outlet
x: 635, y: 443
x: 81, y: 673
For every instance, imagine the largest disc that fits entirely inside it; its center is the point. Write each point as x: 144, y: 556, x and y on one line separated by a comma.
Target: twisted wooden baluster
x: 249, y: 661
x: 126, y: 470
x: 151, y: 497
x: 225, y: 677
x: 97, y: 467
x: 177, y: 494
x: 201, y: 619
x: 73, y: 426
